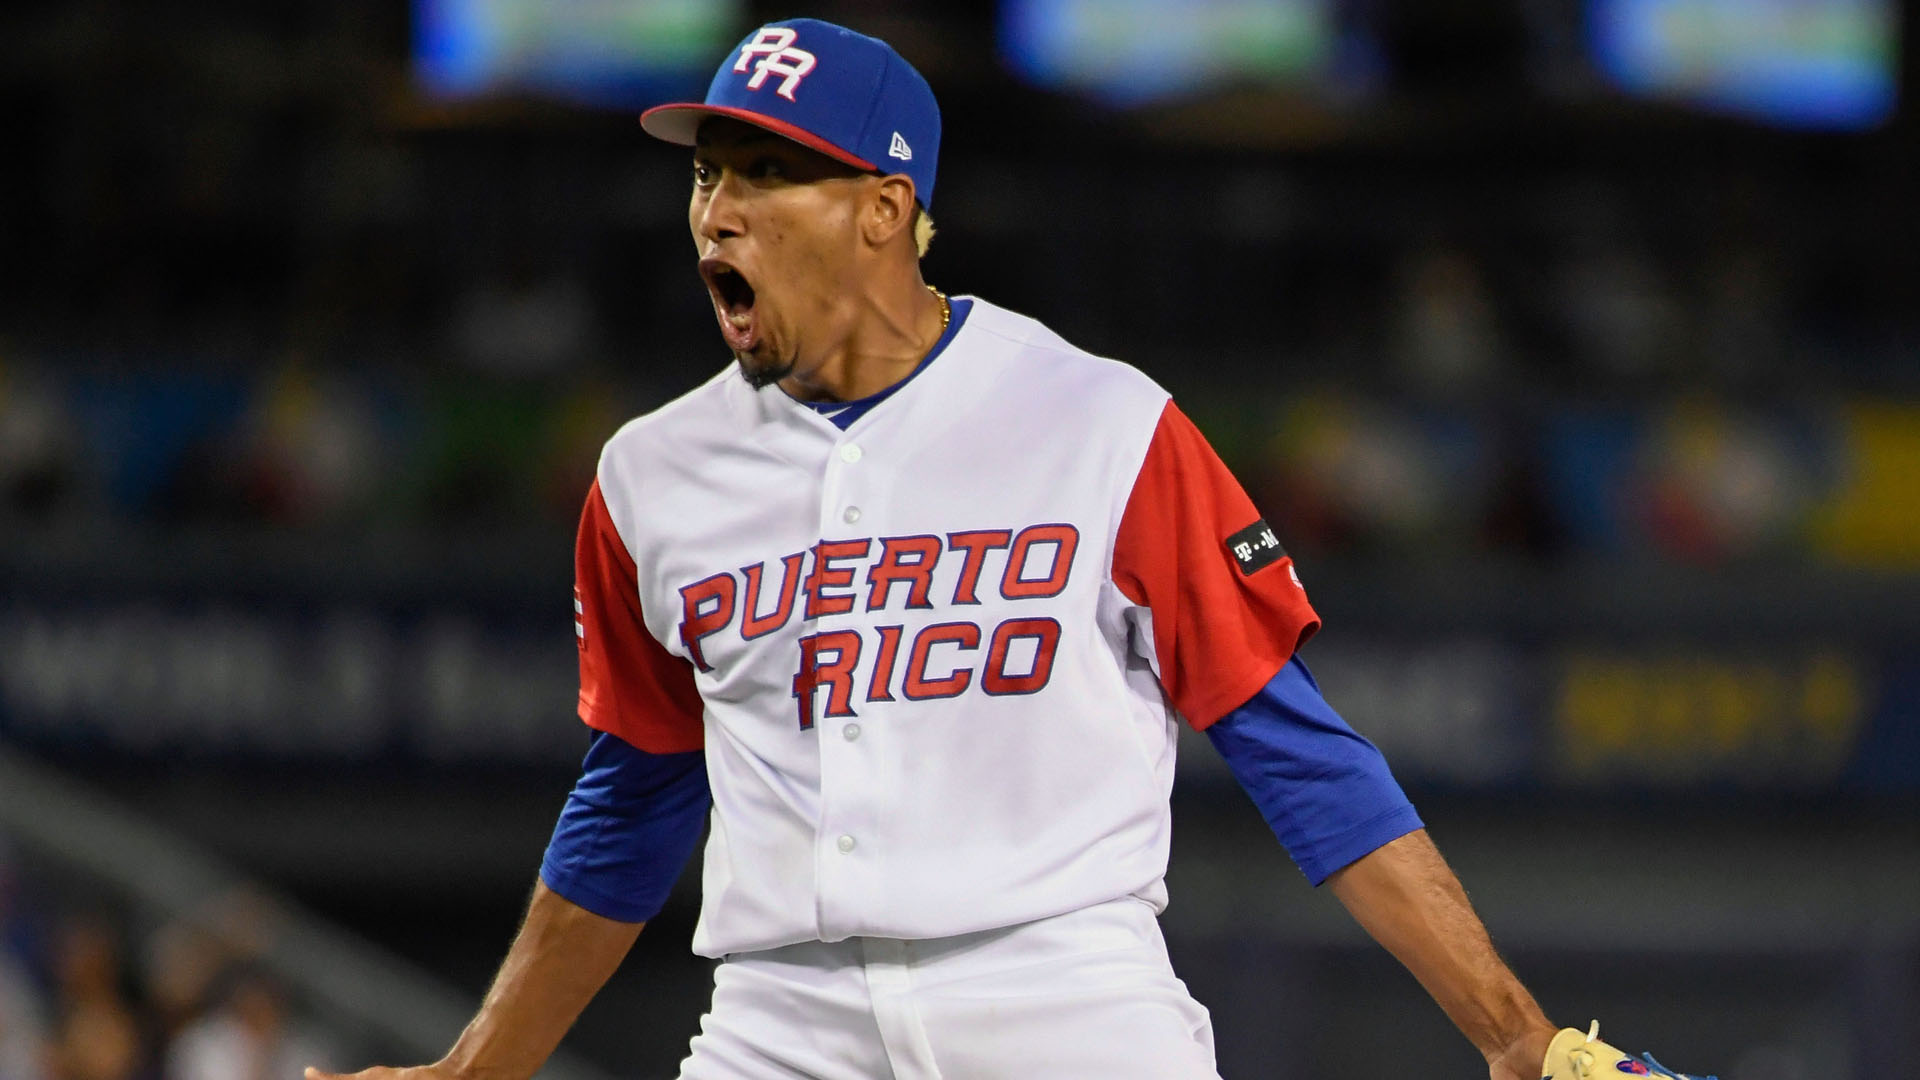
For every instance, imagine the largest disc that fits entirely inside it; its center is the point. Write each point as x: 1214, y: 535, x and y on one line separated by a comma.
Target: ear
x: 889, y: 211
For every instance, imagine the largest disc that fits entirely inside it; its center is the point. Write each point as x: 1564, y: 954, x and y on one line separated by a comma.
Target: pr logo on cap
x: 774, y: 46
x: 834, y: 91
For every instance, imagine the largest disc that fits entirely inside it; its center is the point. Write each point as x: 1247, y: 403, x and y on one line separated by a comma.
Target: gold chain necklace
x: 946, y: 309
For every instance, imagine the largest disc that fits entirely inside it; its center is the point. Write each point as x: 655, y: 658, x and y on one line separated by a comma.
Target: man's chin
x: 762, y: 372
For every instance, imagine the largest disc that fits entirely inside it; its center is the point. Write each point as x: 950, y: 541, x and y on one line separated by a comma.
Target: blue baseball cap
x: 847, y: 95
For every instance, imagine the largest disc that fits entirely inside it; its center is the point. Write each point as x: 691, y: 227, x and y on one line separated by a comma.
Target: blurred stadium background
x: 1572, y: 345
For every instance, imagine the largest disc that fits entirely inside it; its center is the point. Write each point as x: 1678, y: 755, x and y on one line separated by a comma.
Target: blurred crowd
x: 91, y: 992
x: 1420, y: 426
x: 291, y: 444
x: 1585, y: 395
x: 274, y: 285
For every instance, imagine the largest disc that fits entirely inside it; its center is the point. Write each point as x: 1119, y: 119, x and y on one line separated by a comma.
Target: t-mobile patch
x: 1255, y: 547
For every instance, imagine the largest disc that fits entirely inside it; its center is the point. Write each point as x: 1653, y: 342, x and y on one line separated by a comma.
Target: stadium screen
x: 1797, y: 63
x: 1134, y: 52
x: 613, y: 53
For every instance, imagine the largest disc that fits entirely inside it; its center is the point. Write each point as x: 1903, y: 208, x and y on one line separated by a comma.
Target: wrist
x: 1522, y: 1052
x: 457, y: 1066
x: 1512, y: 1026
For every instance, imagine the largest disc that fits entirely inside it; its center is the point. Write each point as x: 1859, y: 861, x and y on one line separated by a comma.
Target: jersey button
x: 850, y: 453
x: 845, y: 844
x: 852, y: 515
x: 850, y: 732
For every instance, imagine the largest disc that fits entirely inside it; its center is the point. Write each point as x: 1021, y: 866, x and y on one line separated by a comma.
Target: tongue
x: 738, y: 327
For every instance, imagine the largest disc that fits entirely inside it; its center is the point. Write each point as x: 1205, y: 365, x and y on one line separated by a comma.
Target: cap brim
x: 680, y: 123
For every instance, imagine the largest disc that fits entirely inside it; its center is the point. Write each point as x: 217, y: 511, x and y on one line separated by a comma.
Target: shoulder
x: 654, y: 438
x: 1055, y: 369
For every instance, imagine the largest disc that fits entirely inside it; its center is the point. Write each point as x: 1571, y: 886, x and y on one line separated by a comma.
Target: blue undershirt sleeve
x: 1325, y: 790
x: 627, y: 830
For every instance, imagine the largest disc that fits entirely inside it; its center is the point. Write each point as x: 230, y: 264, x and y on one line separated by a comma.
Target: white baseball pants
x: 1087, y: 995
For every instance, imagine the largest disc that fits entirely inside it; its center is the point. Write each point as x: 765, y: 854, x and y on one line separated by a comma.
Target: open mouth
x: 733, y: 298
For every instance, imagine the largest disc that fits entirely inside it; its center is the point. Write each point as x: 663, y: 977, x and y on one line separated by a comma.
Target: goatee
x: 762, y: 376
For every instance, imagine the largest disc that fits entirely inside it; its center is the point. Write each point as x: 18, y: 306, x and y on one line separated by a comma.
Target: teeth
x: 739, y: 320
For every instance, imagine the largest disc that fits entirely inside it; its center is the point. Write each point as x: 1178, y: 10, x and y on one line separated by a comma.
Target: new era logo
x: 899, y: 148
x: 774, y: 46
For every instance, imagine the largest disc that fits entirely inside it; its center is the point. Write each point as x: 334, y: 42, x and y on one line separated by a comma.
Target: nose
x: 720, y: 216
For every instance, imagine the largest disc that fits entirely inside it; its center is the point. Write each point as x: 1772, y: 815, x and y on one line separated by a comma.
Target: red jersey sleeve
x: 1228, y: 609
x: 630, y: 686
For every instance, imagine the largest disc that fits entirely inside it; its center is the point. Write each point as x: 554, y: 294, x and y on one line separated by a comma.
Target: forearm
x: 560, y: 959
x: 1405, y: 895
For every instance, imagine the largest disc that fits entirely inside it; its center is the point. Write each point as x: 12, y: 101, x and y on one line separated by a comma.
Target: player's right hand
x: 382, y: 1072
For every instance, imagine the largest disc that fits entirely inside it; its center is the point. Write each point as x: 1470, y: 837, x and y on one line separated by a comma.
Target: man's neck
x: 890, y: 333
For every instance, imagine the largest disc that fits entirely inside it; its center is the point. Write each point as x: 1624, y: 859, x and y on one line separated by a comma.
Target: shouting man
x: 906, y: 604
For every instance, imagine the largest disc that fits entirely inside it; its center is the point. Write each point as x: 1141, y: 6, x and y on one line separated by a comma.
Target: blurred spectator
x: 38, y: 446
x: 95, y: 1035
x: 23, y: 1029
x: 251, y: 1036
x: 311, y: 446
x: 1715, y: 485
x: 1621, y: 317
x: 524, y: 323
x: 181, y: 967
x: 1354, y: 475
x: 23, y: 1020
x: 153, y: 434
x: 1446, y: 336
x: 203, y: 1009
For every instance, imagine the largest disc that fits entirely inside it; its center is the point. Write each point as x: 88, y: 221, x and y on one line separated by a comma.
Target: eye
x: 765, y: 168
x: 704, y: 175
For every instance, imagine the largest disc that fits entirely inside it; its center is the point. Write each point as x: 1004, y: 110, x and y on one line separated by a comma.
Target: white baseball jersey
x: 935, y: 659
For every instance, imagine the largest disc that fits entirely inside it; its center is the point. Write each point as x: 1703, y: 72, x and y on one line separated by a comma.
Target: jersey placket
x: 846, y: 842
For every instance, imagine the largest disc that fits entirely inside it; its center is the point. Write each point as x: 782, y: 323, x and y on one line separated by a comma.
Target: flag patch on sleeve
x: 1255, y: 547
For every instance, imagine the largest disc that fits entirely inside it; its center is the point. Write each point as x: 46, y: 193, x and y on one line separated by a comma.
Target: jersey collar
x: 842, y: 414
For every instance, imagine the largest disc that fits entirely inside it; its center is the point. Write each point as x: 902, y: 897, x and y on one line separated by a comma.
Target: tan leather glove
x: 1573, y: 1056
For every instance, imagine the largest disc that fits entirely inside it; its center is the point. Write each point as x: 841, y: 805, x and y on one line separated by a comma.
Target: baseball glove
x: 1573, y: 1056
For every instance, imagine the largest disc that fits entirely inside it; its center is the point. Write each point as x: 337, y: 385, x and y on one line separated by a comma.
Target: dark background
x: 1592, y: 420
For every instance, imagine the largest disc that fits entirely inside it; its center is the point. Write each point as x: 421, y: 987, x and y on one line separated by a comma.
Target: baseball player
x: 904, y: 606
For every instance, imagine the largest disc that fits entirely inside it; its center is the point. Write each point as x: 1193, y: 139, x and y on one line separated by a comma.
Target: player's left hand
x: 1574, y: 1056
